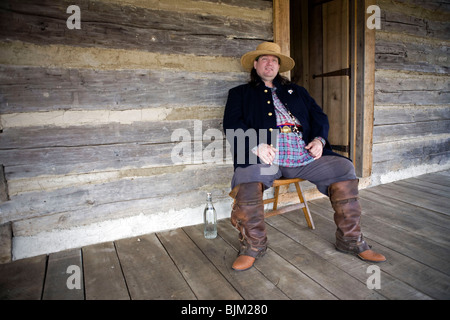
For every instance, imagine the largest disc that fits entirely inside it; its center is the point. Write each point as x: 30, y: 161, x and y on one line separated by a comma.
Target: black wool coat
x: 250, y: 113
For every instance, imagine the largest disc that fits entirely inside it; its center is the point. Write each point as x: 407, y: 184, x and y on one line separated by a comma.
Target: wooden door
x: 336, y: 72
x: 322, y: 55
x: 334, y: 54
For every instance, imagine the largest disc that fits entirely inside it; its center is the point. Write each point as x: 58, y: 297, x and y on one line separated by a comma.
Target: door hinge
x: 340, y: 148
x: 337, y: 73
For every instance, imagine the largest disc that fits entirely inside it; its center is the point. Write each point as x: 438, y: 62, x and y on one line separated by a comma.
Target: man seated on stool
x: 276, y: 129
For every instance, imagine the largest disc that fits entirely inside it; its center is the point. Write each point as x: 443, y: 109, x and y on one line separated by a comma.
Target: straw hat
x: 267, y: 48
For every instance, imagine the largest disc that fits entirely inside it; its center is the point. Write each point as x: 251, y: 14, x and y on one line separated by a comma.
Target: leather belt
x: 289, y: 128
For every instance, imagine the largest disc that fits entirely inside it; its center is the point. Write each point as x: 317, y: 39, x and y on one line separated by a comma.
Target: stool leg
x: 276, y: 192
x: 305, y: 208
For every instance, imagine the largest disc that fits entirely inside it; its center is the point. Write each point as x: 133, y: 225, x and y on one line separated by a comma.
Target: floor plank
x: 436, y: 179
x: 304, y: 255
x: 23, y: 279
x: 322, y: 240
x: 203, y: 278
x: 64, y: 279
x: 409, y: 243
x: 412, y: 196
x: 279, y: 271
x: 425, y: 187
x: 408, y: 221
x: 409, y: 260
x: 149, y: 272
x: 407, y: 217
x: 251, y: 284
x: 103, y: 274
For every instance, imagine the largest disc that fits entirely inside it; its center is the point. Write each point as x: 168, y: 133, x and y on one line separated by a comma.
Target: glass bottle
x: 210, y: 218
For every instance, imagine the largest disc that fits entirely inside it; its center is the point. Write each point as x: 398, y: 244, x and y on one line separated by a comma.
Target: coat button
x: 270, y: 114
x: 270, y: 129
x: 268, y: 102
x: 266, y: 91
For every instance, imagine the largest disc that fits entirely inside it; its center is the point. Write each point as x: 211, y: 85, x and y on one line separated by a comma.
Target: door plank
x: 336, y: 90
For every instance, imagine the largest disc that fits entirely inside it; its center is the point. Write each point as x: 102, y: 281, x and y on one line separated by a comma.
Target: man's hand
x: 266, y: 153
x: 315, y: 148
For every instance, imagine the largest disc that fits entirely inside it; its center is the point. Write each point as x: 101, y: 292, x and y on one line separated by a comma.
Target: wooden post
x: 365, y: 90
x: 281, y: 28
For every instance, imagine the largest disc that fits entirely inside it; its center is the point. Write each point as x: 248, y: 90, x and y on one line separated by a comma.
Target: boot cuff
x: 343, y: 190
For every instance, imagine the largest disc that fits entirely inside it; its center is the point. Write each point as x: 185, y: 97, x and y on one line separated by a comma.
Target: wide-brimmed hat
x: 267, y: 48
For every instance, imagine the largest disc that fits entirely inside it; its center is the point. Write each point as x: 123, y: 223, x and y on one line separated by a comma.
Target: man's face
x: 267, y: 67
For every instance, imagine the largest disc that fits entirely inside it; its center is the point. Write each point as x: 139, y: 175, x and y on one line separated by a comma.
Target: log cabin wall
x: 114, y: 129
x: 412, y: 99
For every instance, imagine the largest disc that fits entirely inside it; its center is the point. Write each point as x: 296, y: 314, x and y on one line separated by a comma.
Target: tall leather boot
x: 347, y: 216
x: 248, y: 217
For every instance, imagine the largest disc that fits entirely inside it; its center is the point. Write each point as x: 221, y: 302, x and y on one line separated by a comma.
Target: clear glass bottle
x: 210, y: 219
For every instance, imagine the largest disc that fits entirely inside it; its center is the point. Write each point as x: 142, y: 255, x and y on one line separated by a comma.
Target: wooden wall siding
x: 43, y: 89
x: 131, y: 27
x: 87, y: 117
x: 412, y: 91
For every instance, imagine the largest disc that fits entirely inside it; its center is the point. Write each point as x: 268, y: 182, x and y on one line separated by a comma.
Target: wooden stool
x: 303, y: 205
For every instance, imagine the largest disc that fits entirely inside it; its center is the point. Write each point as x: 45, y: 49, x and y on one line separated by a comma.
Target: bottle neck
x: 209, y: 203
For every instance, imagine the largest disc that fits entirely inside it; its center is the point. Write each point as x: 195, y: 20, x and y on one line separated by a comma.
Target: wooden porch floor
x: 408, y: 221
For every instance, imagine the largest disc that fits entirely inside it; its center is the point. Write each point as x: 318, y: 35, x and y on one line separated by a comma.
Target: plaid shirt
x: 291, y: 147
